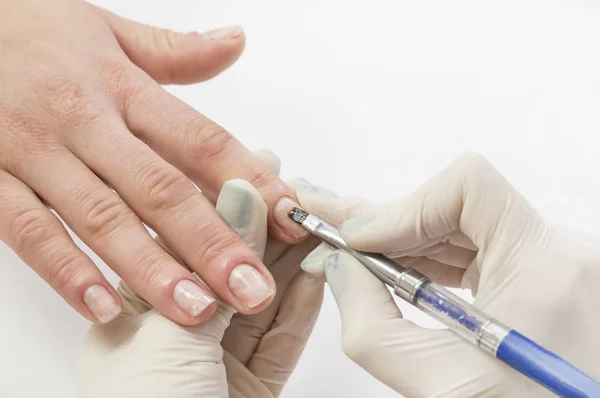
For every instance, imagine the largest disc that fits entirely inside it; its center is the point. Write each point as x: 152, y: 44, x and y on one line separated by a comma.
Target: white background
x: 385, y: 94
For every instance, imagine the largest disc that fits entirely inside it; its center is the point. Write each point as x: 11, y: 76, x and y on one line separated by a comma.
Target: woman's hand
x: 82, y: 113
x: 466, y: 227
x: 143, y: 354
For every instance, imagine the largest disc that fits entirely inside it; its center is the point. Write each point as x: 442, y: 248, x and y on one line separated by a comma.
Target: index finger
x: 208, y: 154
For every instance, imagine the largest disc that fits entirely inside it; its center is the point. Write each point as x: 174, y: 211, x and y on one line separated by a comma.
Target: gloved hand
x: 142, y: 354
x: 467, y: 227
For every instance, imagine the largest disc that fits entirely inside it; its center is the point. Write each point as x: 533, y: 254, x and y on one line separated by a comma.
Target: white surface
x: 387, y: 94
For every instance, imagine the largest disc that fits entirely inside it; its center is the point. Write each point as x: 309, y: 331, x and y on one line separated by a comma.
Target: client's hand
x: 466, y: 227
x: 143, y: 354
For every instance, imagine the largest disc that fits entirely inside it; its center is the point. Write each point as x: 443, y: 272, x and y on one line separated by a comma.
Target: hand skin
x: 143, y: 354
x: 82, y: 112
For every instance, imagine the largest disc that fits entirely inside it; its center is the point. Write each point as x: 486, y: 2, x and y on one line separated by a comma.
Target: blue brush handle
x: 546, y: 368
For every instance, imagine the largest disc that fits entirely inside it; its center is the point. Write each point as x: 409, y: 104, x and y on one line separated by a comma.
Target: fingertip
x: 269, y: 158
x: 253, y: 289
x: 314, y: 263
x: 206, y: 55
x: 192, y: 299
x: 102, y: 302
x: 225, y: 33
x: 202, y: 317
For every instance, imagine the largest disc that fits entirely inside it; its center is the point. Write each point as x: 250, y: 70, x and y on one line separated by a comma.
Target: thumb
x: 470, y: 196
x: 412, y: 360
x: 176, y: 58
x: 360, y: 296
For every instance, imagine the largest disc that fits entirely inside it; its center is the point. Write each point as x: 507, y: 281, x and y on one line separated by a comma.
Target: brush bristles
x: 298, y: 215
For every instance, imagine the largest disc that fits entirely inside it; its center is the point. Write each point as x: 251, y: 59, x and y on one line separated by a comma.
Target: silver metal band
x: 491, y: 335
x: 408, y: 283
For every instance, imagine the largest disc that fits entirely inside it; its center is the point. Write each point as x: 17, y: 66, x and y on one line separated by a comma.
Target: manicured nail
x: 249, y: 286
x: 101, y: 303
x: 230, y: 32
x: 282, y: 218
x: 191, y: 298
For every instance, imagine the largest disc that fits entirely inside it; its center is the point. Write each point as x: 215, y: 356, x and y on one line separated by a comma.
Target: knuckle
x: 105, y: 214
x: 164, y: 39
x: 65, y: 273
x: 30, y: 229
x: 472, y: 163
x: 219, y: 239
x: 205, y: 140
x: 150, y: 270
x: 61, y: 96
x: 263, y: 178
x: 165, y: 188
x: 119, y: 80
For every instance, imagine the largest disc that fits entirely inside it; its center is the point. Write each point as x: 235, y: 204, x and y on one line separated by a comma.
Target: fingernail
x: 230, y: 32
x: 281, y: 217
x: 354, y: 225
x: 249, y: 286
x: 191, y: 298
x: 101, y: 303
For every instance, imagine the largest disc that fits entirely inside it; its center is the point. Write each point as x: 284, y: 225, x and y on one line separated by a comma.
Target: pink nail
x: 281, y: 217
x: 101, y: 303
x: 191, y: 298
x: 230, y: 32
x: 249, y: 286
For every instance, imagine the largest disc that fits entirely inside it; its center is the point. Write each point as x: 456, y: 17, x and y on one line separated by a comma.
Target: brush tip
x: 298, y: 215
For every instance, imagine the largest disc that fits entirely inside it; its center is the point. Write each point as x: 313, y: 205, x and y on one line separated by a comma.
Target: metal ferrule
x: 408, y: 284
x: 491, y: 335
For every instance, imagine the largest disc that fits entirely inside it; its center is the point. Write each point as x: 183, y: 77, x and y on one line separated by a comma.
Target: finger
x: 455, y: 238
x: 40, y: 240
x: 176, y: 58
x: 269, y: 158
x: 447, y: 254
x: 314, y: 263
x: 246, y: 331
x: 169, y: 203
x: 242, y: 208
x: 441, y: 273
x: 470, y: 196
x: 280, y: 348
x: 374, y: 335
x: 252, y: 229
x: 208, y: 154
x: 326, y: 205
x: 359, y: 295
x: 110, y: 228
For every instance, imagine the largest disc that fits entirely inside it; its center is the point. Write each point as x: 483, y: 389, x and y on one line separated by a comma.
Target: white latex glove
x: 142, y: 354
x: 466, y: 226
